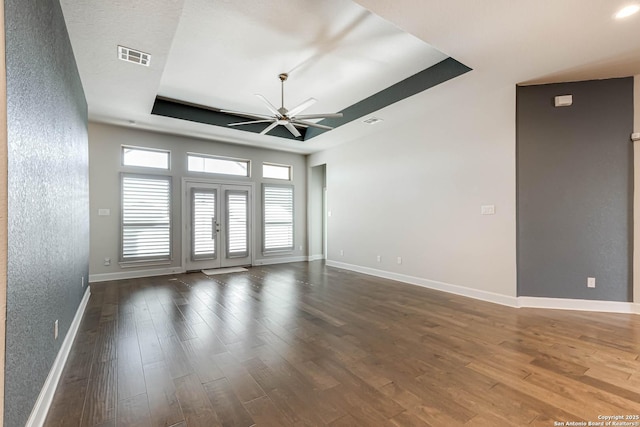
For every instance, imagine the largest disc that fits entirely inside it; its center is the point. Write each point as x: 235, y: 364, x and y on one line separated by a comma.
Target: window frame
x: 290, y: 167
x: 290, y: 249
x: 218, y: 174
x: 126, y: 262
x: 145, y: 168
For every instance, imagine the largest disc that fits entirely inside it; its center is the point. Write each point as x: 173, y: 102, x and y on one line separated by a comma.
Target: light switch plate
x: 488, y: 209
x: 104, y: 212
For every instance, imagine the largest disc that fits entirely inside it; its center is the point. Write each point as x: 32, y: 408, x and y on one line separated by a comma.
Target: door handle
x: 214, y: 228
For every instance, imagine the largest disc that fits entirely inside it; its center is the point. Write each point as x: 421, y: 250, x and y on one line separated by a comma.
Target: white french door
x: 217, y: 225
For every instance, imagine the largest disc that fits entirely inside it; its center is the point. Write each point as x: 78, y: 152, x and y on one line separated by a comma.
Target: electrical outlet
x: 82, y: 284
x: 55, y: 330
x: 107, y: 261
x: 341, y: 252
x: 300, y: 247
x: 591, y: 282
x: 379, y: 258
x: 399, y: 260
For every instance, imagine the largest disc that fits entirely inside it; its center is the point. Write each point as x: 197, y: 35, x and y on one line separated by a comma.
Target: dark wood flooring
x: 307, y: 345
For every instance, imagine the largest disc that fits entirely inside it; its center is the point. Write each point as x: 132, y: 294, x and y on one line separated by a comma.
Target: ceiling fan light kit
x: 283, y: 116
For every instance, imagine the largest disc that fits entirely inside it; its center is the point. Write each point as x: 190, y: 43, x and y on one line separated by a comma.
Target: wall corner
x: 636, y: 191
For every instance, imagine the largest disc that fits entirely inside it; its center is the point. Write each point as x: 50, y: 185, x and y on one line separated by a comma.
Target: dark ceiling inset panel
x: 209, y: 116
x: 425, y: 79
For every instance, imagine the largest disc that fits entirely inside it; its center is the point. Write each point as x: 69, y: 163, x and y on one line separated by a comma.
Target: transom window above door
x: 218, y: 165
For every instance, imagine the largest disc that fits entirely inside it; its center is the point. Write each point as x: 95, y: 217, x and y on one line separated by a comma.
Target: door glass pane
x: 204, y: 218
x: 237, y: 233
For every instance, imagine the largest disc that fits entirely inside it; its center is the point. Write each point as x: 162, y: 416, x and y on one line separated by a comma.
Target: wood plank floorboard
x: 303, y: 344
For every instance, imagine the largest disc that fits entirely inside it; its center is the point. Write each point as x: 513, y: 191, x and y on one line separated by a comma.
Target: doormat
x: 215, y: 271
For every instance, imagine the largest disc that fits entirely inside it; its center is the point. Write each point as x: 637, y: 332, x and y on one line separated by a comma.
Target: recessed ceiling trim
x: 425, y: 79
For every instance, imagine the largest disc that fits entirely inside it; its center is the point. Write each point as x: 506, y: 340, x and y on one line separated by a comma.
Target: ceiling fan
x: 282, y: 116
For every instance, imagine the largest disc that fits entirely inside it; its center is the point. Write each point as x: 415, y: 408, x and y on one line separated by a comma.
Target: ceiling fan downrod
x: 283, y: 77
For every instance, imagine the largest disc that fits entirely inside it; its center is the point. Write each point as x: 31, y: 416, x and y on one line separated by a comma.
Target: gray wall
x: 433, y: 169
x: 574, y: 179
x: 315, y: 194
x: 48, y: 216
x: 105, y: 145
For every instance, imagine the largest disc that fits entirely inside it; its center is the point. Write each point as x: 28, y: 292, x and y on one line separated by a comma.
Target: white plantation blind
x: 278, y: 218
x: 237, y: 224
x: 146, y: 218
x: 204, y: 219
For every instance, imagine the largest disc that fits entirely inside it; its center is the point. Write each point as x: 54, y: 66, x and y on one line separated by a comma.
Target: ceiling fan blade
x: 301, y: 107
x: 314, y: 125
x: 247, y: 115
x: 269, y: 128
x: 251, y: 122
x: 319, y: 116
x: 269, y: 105
x: 292, y: 129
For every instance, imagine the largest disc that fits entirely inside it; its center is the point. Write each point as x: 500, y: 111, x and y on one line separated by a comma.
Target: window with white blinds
x: 146, y: 218
x: 278, y: 217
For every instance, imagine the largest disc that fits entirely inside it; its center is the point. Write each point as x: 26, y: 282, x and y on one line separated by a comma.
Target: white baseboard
x: 316, y: 257
x: 578, y: 304
x: 431, y: 284
x: 279, y: 260
x: 134, y: 274
x: 41, y: 408
x: 529, y: 302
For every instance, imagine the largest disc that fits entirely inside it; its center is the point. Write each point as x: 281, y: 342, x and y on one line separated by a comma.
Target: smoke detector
x: 135, y: 56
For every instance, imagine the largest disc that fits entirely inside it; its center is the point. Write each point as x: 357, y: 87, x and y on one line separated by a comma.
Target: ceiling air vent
x: 372, y: 120
x: 135, y: 56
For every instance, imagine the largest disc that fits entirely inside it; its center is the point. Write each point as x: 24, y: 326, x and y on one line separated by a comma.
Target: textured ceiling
x: 334, y: 50
x: 219, y: 54
x: 222, y: 52
x: 542, y: 41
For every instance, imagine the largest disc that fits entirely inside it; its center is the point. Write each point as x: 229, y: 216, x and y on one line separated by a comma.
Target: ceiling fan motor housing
x: 282, y: 116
